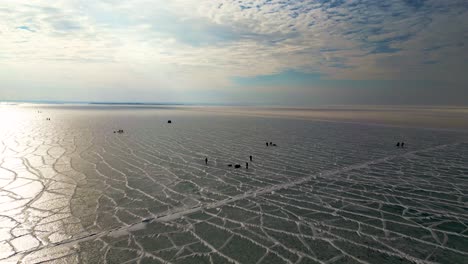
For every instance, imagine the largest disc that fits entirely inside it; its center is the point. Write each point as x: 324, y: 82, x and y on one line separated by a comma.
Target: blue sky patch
x: 25, y: 28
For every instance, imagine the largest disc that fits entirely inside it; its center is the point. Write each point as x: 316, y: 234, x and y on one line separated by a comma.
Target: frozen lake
x: 72, y: 191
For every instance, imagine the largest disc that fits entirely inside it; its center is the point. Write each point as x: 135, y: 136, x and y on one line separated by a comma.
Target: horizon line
x: 136, y: 103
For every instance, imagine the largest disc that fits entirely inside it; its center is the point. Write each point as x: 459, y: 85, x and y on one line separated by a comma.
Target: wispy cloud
x: 168, y: 47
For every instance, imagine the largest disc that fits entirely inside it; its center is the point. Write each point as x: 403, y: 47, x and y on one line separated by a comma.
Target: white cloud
x: 198, y: 45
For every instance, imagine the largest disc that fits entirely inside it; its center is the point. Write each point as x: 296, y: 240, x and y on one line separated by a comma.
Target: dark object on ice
x: 229, y: 165
x: 398, y: 144
x: 274, y: 145
x: 266, y: 144
x: 237, y: 166
x: 169, y: 121
x: 246, y: 165
x: 402, y: 144
x: 250, y: 157
x: 206, y: 161
x: 120, y: 131
x: 48, y: 119
x: 271, y: 143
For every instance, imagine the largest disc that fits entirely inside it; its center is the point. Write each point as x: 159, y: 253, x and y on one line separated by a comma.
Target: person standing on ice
x: 206, y: 160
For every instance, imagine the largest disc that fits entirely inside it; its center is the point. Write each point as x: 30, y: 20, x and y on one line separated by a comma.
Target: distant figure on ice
x: 398, y: 144
x: 274, y: 145
x: 402, y: 144
x: 206, y: 160
x: 271, y: 143
x: 266, y: 144
x: 237, y: 166
x: 246, y: 165
x: 169, y: 121
x: 250, y: 157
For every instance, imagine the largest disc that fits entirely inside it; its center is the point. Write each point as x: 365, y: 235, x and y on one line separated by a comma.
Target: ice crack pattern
x: 72, y: 191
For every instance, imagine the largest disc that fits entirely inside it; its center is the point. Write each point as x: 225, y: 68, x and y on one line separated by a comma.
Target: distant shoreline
x: 82, y: 103
x: 280, y: 107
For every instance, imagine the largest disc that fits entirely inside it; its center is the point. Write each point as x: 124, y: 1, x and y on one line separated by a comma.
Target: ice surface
x: 73, y: 191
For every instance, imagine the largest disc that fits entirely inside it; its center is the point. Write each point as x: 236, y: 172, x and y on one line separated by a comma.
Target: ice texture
x: 72, y: 191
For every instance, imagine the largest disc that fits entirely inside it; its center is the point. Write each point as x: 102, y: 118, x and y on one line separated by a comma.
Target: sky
x: 260, y: 52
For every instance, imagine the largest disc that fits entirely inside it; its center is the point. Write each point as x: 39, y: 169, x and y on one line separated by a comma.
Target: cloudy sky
x: 218, y: 51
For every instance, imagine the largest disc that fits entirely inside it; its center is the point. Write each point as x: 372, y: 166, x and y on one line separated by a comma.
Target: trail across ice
x: 180, y: 213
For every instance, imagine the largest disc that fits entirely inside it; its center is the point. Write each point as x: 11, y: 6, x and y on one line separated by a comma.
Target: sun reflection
x: 13, y: 116
x: 26, y: 173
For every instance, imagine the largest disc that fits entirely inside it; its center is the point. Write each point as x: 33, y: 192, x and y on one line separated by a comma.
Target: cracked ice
x: 73, y: 191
